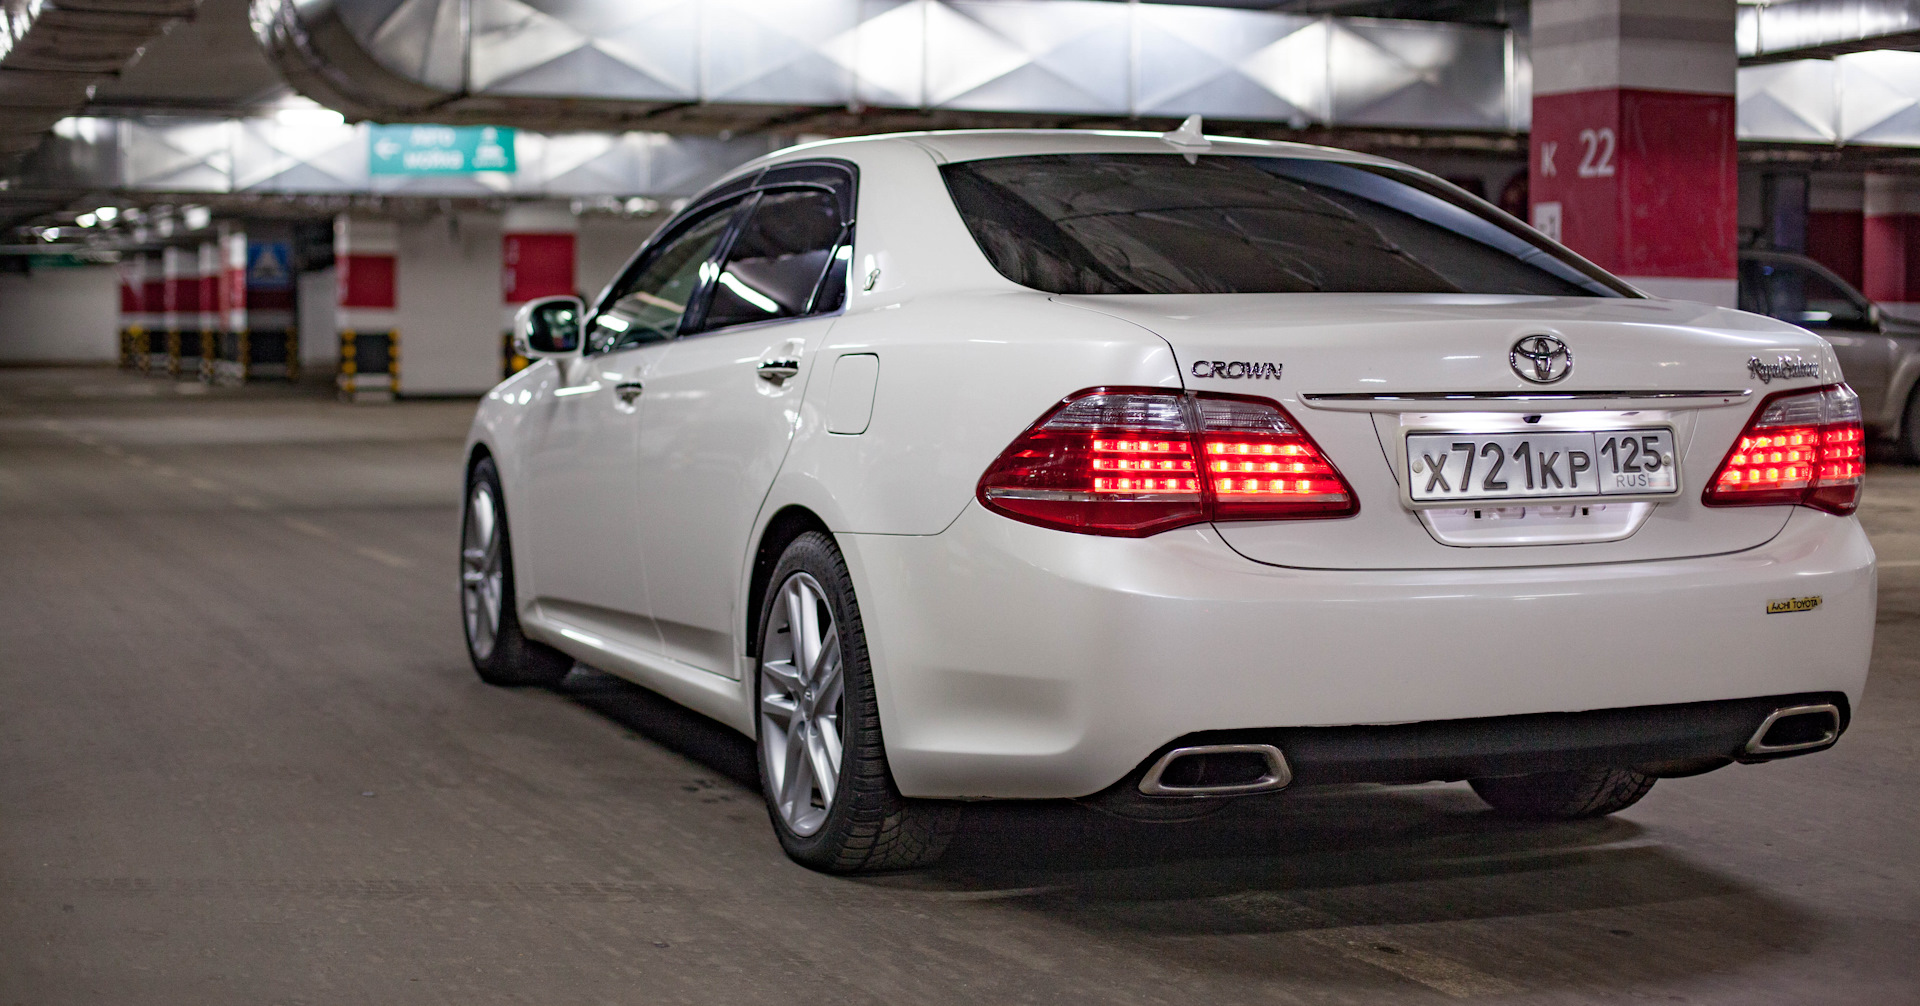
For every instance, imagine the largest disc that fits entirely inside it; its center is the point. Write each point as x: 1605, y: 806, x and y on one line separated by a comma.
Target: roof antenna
x: 1188, y: 139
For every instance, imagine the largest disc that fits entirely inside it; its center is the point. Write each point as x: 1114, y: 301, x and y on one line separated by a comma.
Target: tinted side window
x: 1157, y: 223
x: 777, y: 262
x: 648, y: 304
x: 1794, y: 293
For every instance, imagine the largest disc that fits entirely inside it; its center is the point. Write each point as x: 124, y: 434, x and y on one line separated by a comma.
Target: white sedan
x: 1158, y: 471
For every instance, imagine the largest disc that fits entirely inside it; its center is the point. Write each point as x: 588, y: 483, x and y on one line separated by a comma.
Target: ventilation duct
x: 52, y: 52
x: 801, y: 66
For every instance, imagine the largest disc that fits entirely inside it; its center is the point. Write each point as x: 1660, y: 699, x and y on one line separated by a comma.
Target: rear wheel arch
x: 788, y: 523
x: 479, y: 453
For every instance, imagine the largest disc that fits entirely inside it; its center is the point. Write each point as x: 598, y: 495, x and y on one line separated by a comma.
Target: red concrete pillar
x: 153, y: 308
x: 1836, y: 218
x: 207, y: 322
x: 180, y: 304
x: 536, y: 260
x: 366, y: 255
x: 1633, y: 153
x: 1890, y: 244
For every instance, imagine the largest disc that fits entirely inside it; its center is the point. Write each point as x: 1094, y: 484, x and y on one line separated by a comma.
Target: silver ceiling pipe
x: 736, y: 65
x: 1802, y: 29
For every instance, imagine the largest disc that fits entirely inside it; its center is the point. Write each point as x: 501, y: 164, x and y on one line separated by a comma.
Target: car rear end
x: 1435, y: 499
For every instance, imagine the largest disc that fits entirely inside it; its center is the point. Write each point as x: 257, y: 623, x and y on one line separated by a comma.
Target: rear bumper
x: 1675, y: 739
x: 1013, y: 661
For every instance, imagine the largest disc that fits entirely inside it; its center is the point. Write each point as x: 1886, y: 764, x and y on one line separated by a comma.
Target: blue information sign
x: 440, y: 150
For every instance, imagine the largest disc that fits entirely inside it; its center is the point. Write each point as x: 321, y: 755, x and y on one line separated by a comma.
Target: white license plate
x: 1487, y: 466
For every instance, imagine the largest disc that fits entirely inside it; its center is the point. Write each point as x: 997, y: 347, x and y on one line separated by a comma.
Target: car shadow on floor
x: 1330, y: 860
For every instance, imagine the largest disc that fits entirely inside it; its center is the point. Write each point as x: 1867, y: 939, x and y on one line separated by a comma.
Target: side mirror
x: 548, y: 326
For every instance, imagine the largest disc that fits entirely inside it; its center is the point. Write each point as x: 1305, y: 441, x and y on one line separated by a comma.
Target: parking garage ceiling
x: 53, y: 53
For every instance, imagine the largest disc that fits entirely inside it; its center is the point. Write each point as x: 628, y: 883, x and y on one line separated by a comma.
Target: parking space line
x: 379, y: 555
x: 382, y: 556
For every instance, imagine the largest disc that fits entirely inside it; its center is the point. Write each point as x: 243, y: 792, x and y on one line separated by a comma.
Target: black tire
x: 1909, y: 441
x: 1565, y: 796
x: 868, y: 825
x: 510, y: 658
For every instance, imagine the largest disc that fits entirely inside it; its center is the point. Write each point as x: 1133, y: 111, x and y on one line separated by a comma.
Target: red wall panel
x: 1647, y: 181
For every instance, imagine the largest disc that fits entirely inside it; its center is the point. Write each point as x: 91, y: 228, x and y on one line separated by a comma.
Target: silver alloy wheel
x: 802, y: 697
x: 482, y: 575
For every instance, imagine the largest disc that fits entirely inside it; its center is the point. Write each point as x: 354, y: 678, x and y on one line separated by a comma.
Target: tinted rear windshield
x: 1154, y: 223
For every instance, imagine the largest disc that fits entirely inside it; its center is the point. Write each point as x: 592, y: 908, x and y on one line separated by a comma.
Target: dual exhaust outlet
x: 1790, y: 729
x: 1217, y: 770
x: 1205, y: 770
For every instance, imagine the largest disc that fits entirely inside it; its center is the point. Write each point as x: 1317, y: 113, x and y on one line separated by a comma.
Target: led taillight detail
x: 1122, y: 461
x: 1143, y: 466
x: 1262, y: 466
x: 1801, y: 447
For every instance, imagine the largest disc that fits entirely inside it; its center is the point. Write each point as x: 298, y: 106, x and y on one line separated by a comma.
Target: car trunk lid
x: 1364, y: 372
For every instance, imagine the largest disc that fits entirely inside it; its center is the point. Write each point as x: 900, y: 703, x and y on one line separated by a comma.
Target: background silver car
x: 1880, y: 353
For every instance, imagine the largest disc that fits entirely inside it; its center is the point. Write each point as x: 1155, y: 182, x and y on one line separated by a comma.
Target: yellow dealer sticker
x: 1793, y: 604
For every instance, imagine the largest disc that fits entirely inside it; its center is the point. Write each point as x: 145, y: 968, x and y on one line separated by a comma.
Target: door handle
x: 778, y: 371
x: 628, y: 390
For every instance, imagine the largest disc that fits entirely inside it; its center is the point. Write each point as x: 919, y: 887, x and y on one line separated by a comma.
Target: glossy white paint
x: 1014, y: 661
x: 1017, y: 661
x: 849, y: 406
x: 712, y: 435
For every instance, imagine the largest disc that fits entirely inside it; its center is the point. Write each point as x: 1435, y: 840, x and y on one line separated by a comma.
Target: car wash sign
x: 440, y: 150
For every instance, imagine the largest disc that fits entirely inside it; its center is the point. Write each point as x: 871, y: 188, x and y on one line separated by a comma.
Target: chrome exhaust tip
x: 1796, y: 728
x: 1217, y: 770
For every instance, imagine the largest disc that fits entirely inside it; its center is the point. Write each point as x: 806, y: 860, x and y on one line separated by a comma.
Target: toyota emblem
x: 1541, y: 359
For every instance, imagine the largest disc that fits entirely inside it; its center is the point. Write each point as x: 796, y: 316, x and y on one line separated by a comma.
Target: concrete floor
x: 243, y: 760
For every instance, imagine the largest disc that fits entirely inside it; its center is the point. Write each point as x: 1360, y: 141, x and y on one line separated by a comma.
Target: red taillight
x: 1135, y: 462
x: 1262, y: 466
x: 1801, y: 447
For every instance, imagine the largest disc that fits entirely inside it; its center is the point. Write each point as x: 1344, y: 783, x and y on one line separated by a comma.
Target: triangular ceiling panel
x: 660, y: 45
x: 1172, y: 67
x: 588, y: 71
x: 510, y: 37
x: 963, y: 54
x: 1765, y: 117
x: 1230, y: 96
x: 1293, y: 67
x: 1034, y: 88
x: 1096, y: 62
x: 886, y: 52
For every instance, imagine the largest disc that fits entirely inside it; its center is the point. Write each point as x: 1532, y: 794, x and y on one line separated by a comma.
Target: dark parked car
x: 1880, y: 353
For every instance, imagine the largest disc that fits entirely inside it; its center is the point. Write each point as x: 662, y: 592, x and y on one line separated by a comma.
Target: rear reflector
x: 1801, y: 447
x: 1134, y: 462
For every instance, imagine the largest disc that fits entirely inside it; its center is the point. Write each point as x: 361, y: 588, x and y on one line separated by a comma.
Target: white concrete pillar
x: 207, y: 325
x: 1633, y: 153
x: 230, y: 307
x: 179, y: 307
x: 366, y: 263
